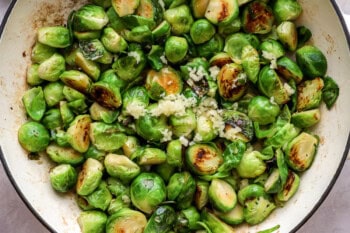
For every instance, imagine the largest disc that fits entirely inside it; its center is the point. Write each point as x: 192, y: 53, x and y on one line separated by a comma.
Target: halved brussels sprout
x: 126, y: 220
x: 33, y: 137
x: 290, y: 188
x: 180, y: 19
x: 262, y: 111
x: 214, y: 224
x: 288, y: 35
x: 306, y: 119
x: 251, y: 165
x: 95, y: 51
x: 130, y: 146
x: 183, y: 126
x: 52, y: 68
x: 220, y: 59
x: 222, y: 195
x: 64, y: 155
x: 100, y: 113
x: 76, y: 80
x: 100, y: 198
x: 121, y: 167
x: 91, y: 68
x: 199, y: 7
x: 162, y: 31
x: 304, y: 35
x: 211, y: 47
x: 284, y: 134
x: 257, y: 18
x: 140, y: 34
x: 271, y: 50
x: 133, y: 21
x: 55, y: 36
x: 89, y: 18
x: 181, y: 188
x: 232, y: 217
x: 156, y: 57
x: 89, y: 177
x: 238, y: 126
x: 41, y: 52
x: 310, y: 94
x: 174, y: 153
x: 147, y: 192
x: 222, y: 11
x: 187, y: 219
x: 67, y: 114
x: 203, y: 159
x: 112, y: 41
x: 34, y: 103
x: 300, y: 152
x: 286, y: 10
x: 251, y: 62
x: 176, y: 48
x: 107, y: 94
x: 135, y: 102
x: 149, y: 156
x: 289, y: 70
x: 311, y: 61
x: 53, y: 93
x: 201, y: 196
x: 161, y: 220
x: 78, y: 133
x: 52, y: 119
x: 125, y: 7
x: 205, y: 130
x: 92, y: 221
x: 32, y: 75
x: 95, y: 153
x: 234, y: 45
x: 150, y: 9
x: 201, y: 31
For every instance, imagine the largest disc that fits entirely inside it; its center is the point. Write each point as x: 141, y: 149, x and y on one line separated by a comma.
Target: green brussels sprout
x: 201, y: 31
x: 121, y: 167
x: 91, y: 68
x: 117, y: 187
x: 41, y: 52
x: 330, y: 91
x: 89, y: 177
x: 95, y: 51
x: 180, y: 19
x: 140, y: 34
x: 156, y: 58
x: 251, y: 62
x: 205, y: 130
x: 201, y: 196
x: 34, y: 103
x: 271, y: 50
x: 289, y: 70
x: 134, y: 61
x: 52, y: 119
x: 76, y: 80
x: 310, y: 94
x: 174, y: 153
x: 232, y: 217
x: 173, y: 3
x: 183, y: 126
x: 33, y: 136
x: 165, y: 170
x: 67, y: 114
x: 176, y: 49
x: 199, y: 7
x: 221, y: 195
x: 286, y: 10
x: 181, y: 188
x: 165, y: 82
x: 89, y: 18
x: 187, y: 219
x: 288, y: 35
x: 290, y: 187
x: 306, y: 119
x: 87, y: 35
x: 271, y: 85
x: 232, y: 82
x: 130, y: 146
x: 52, y: 68
x: 300, y: 151
x: 32, y: 75
x: 64, y: 155
x: 147, y: 192
x: 100, y: 198
x: 251, y: 165
x: 234, y: 45
x: 92, y: 221
x: 161, y: 220
x: 257, y: 18
x: 78, y: 133
x: 214, y: 224
x: 100, y: 113
x: 150, y: 9
x: 162, y: 31
x: 273, y: 182
x: 106, y: 94
x: 262, y: 111
x: 115, y: 21
x: 56, y: 36
x: 221, y: 11
x: 304, y: 35
x: 238, y: 126
x: 53, y: 93
x: 230, y: 28
x: 116, y: 204
x: 126, y: 220
x: 78, y: 106
x: 63, y: 177
x: 134, y: 21
x: 282, y: 136
x: 203, y: 159
x: 106, y: 137
x: 125, y: 7
x: 149, y: 156
x: 211, y: 47
x: 311, y: 61
x: 135, y: 101
x: 95, y: 153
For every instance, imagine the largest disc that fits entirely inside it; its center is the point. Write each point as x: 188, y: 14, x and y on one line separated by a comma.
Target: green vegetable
x: 311, y: 61
x: 33, y: 136
x: 330, y: 92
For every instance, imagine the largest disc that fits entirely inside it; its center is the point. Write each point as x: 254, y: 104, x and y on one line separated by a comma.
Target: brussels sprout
x: 221, y: 195
x: 234, y: 45
x: 199, y: 7
x: 273, y: 182
x: 233, y: 155
x: 100, y: 198
x: 290, y: 188
x: 121, y: 167
x: 165, y: 82
x: 221, y: 11
x: 67, y: 114
x: 106, y: 137
x: 231, y: 82
x: 133, y: 21
x: 271, y: 50
x: 134, y: 61
x: 205, y: 130
x: 182, y: 126
x: 106, y: 94
x: 203, y: 159
x: 126, y: 220
x: 78, y: 133
x: 156, y: 57
x: 150, y: 9
x: 125, y: 7
x: 41, y: 52
x: 89, y: 177
x: 257, y: 18
x: 116, y: 187
x: 149, y: 156
x: 174, y: 153
x: 300, y: 151
x: 289, y: 70
x: 187, y: 219
x: 262, y: 111
x: 89, y: 18
x: 180, y: 19
x: 52, y: 119
x: 64, y: 155
x: 220, y: 59
x: 52, y: 68
x: 53, y: 93
x: 122, y: 201
x: 33, y: 136
x: 286, y: 10
x: 211, y: 47
x: 282, y: 136
x: 147, y: 192
x: 311, y: 61
x: 181, y: 188
x: 91, y: 68
x: 304, y: 35
x: 92, y: 221
x: 251, y: 165
x: 56, y: 36
x: 165, y: 170
x: 100, y: 113
x: 112, y: 41
x: 232, y: 217
x: 201, y: 196
x: 161, y: 220
x: 176, y: 49
x: 251, y: 62
x: 32, y: 75
x: 330, y: 91
x: 238, y: 126
x: 214, y: 224
x: 102, y: 3
x: 288, y: 35
x: 140, y: 34
x: 95, y: 51
x: 76, y: 80
x: 78, y: 106
x: 310, y: 94
x: 306, y: 119
x: 87, y: 35
x: 34, y: 103
x: 95, y: 153
x: 230, y: 28
x: 201, y: 31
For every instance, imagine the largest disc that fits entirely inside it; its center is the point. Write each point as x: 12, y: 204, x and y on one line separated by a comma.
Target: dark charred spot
x: 295, y: 158
x: 229, y: 84
x: 221, y: 62
x: 224, y: 12
x: 289, y: 184
x: 258, y: 17
x: 104, y: 97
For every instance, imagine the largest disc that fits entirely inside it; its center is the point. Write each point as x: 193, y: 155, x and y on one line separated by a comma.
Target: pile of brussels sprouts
x: 174, y: 115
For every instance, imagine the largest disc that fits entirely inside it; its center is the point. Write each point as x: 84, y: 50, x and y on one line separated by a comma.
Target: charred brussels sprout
x: 89, y: 18
x: 121, y: 167
x: 286, y: 10
x: 257, y: 18
x: 92, y: 221
x: 222, y: 195
x: 222, y: 11
x: 161, y: 220
x: 311, y: 61
x: 306, y: 119
x: 262, y: 111
x: 180, y: 19
x: 289, y: 70
x: 56, y: 36
x: 290, y: 187
x: 181, y: 188
x: 238, y: 126
x: 106, y: 94
x: 76, y: 80
x: 126, y: 220
x: 78, y: 133
x: 147, y: 192
x: 201, y: 31
x: 89, y: 177
x: 33, y: 137
x: 310, y: 94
